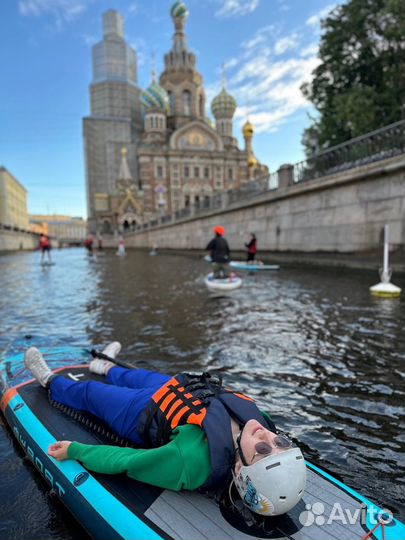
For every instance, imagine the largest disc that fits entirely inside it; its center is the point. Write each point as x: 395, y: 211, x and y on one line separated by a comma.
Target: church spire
x: 223, y: 76
x: 153, y: 68
x: 180, y: 78
x: 179, y: 56
x: 179, y: 15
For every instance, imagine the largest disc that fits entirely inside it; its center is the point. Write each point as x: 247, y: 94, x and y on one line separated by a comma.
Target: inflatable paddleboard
x: 227, y: 284
x: 243, y: 265
x: 117, y: 507
x: 47, y: 263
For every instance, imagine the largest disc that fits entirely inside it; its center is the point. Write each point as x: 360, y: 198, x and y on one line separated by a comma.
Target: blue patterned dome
x: 223, y: 105
x: 179, y: 9
x: 155, y: 97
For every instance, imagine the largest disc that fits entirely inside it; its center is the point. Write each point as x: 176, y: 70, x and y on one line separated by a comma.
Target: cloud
x: 90, y: 40
x: 266, y: 86
x: 315, y: 19
x: 232, y: 62
x: 62, y: 10
x: 310, y: 50
x: 133, y: 8
x: 284, y: 44
x: 234, y: 8
x: 283, y: 6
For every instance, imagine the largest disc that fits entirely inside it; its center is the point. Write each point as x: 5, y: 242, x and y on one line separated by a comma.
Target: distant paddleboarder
x: 251, y: 248
x: 88, y: 244
x: 45, y: 247
x: 220, y: 253
x: 121, y: 247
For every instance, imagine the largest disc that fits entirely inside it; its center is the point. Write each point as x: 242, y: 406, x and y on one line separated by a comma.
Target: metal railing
x: 382, y: 143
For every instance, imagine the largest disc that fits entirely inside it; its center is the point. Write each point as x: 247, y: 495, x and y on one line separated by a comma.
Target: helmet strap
x: 239, y: 448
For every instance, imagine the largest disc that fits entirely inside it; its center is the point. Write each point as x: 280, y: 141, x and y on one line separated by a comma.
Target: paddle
x: 96, y: 354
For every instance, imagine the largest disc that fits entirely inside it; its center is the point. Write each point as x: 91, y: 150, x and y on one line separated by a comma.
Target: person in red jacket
x: 45, y: 247
x: 89, y: 244
x: 251, y: 248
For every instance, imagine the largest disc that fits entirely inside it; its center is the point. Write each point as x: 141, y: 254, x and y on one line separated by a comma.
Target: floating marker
x: 385, y: 289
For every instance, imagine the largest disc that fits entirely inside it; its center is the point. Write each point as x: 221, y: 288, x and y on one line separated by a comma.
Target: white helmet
x: 273, y: 485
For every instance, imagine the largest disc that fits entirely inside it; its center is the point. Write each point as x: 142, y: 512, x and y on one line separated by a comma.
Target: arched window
x: 186, y: 102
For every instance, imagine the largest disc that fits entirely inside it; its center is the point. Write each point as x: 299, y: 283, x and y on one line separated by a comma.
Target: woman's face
x: 254, y: 433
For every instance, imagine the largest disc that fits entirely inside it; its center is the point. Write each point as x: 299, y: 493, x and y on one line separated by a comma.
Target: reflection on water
x: 313, y: 348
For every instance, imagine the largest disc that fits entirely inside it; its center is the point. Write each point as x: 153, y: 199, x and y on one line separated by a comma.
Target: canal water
x: 312, y: 347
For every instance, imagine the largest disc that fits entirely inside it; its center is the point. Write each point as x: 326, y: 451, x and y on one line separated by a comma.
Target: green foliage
x: 359, y: 85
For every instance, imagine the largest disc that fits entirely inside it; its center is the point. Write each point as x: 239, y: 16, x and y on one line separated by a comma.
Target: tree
x: 360, y: 82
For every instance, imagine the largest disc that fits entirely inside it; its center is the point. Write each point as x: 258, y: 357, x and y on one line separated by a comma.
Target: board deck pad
x: 156, y: 512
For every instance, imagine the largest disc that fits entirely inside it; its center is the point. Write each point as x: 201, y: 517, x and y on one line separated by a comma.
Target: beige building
x: 64, y: 228
x: 154, y: 152
x: 13, y: 201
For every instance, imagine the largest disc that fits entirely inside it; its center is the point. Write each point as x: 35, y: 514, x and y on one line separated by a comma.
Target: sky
x: 268, y: 47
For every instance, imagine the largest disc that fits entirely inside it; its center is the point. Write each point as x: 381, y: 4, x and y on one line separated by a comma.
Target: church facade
x: 152, y: 152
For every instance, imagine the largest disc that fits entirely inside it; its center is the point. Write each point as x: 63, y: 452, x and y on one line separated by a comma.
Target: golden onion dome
x: 252, y: 161
x: 223, y: 105
x: 248, y: 129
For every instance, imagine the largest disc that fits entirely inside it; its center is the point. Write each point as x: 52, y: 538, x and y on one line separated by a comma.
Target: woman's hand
x: 59, y: 450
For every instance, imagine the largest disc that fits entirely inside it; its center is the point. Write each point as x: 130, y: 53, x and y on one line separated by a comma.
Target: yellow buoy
x: 385, y: 290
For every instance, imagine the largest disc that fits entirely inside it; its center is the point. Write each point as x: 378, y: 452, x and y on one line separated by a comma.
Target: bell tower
x: 180, y: 79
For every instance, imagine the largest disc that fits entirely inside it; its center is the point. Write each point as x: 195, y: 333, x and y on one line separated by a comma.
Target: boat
x: 253, y: 267
x: 117, y: 507
x: 227, y: 284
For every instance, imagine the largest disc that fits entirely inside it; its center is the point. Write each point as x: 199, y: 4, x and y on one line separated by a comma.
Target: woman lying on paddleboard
x: 193, y: 432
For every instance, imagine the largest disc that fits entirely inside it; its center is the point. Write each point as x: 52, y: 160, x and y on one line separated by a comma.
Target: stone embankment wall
x: 341, y: 213
x: 16, y: 240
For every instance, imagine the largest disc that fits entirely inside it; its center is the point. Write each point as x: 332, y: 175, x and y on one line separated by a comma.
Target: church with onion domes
x: 152, y: 152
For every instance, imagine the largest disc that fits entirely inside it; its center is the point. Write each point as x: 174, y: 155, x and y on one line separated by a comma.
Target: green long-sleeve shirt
x: 183, y: 463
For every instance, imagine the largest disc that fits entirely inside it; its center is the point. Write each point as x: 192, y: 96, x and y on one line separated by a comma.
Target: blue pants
x: 118, y: 403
